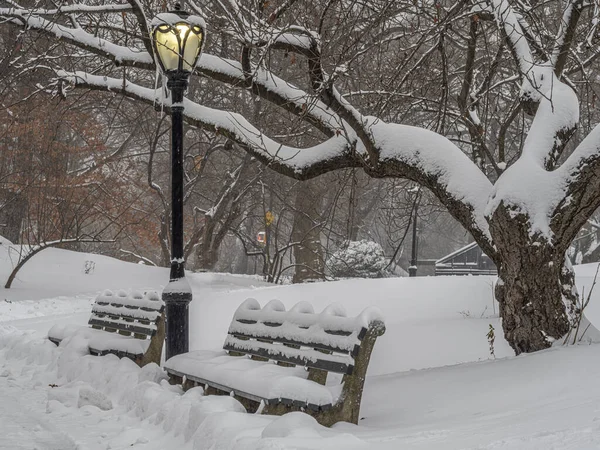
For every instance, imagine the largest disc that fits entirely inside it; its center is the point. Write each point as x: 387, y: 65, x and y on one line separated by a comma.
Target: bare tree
x: 523, y: 196
x: 61, y: 200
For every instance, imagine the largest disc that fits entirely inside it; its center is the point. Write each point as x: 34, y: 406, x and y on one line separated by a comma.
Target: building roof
x: 464, y: 249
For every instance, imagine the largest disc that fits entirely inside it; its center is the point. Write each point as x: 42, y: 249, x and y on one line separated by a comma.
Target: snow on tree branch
x: 531, y: 185
x: 80, y: 38
x: 334, y: 153
x: 355, y: 140
x: 555, y: 120
x: 535, y: 77
x: 412, y: 152
x: 433, y: 161
x: 71, y: 9
x: 579, y: 177
x: 278, y: 91
x: 264, y: 83
x: 509, y: 23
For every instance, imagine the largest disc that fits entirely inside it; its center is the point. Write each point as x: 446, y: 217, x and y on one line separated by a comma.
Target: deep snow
x: 432, y: 383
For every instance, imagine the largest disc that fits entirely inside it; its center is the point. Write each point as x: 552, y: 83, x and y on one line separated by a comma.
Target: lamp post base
x: 177, y: 296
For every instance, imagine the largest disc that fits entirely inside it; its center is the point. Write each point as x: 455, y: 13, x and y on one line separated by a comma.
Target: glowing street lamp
x: 177, y: 39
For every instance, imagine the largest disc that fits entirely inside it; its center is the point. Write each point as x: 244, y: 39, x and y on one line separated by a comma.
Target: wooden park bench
x: 127, y: 325
x: 288, y: 360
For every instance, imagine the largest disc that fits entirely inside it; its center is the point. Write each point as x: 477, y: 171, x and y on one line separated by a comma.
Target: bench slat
x: 130, y: 307
x: 305, y: 343
x: 215, y: 385
x: 126, y: 312
x: 119, y: 353
x: 305, y: 335
x: 151, y: 302
x: 133, y: 327
x: 302, y: 357
x: 333, y: 324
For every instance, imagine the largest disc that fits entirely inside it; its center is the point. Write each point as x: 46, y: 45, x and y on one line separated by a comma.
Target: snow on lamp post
x: 177, y: 39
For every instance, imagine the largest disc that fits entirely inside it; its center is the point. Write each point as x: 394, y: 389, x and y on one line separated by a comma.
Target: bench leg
x: 154, y: 352
x: 250, y: 405
x: 175, y: 380
x: 347, y: 408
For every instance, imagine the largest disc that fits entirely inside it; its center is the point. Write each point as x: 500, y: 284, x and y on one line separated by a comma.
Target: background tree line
x: 91, y: 168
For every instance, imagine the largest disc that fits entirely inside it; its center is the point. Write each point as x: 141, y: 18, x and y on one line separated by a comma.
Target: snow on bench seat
x: 59, y: 333
x: 256, y: 380
x: 99, y: 341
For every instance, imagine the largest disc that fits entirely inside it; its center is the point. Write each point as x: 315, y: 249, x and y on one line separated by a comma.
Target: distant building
x: 426, y: 267
x: 469, y: 260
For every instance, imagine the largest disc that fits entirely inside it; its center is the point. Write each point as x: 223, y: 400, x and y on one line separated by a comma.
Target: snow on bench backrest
x: 335, y: 337
x: 129, y: 314
x: 150, y: 301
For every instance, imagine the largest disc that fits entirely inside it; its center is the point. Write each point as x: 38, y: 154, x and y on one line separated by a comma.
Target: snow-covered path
x: 22, y: 420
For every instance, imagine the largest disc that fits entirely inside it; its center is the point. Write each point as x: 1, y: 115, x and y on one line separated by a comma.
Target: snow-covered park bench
x: 127, y: 325
x: 281, y: 360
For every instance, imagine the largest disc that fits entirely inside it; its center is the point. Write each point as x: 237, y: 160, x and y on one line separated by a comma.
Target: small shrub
x: 358, y: 259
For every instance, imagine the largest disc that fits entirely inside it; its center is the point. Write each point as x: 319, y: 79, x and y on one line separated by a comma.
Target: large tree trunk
x: 536, y: 290
x: 308, y: 255
x: 208, y: 255
x: 207, y: 260
x: 210, y: 244
x: 207, y: 251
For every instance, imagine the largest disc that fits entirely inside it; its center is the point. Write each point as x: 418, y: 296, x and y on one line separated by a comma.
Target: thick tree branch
x: 580, y: 176
x: 138, y: 11
x: 72, y: 9
x: 565, y: 35
x: 263, y: 84
x: 509, y: 25
x: 335, y: 153
x: 78, y: 37
x: 410, y: 152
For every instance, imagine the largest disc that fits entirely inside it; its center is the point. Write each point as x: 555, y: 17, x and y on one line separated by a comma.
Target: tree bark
x: 207, y: 252
x: 536, y: 288
x: 308, y: 255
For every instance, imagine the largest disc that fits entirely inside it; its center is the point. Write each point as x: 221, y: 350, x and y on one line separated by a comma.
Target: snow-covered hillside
x: 432, y: 382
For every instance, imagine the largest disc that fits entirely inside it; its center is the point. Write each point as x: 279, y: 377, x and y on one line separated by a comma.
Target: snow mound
x: 90, y: 396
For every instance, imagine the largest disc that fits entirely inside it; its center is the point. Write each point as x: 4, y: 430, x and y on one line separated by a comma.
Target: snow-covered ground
x: 432, y: 382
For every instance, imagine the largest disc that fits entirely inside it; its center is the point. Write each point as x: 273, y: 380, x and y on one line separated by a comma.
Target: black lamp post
x: 177, y: 39
x: 412, y: 269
